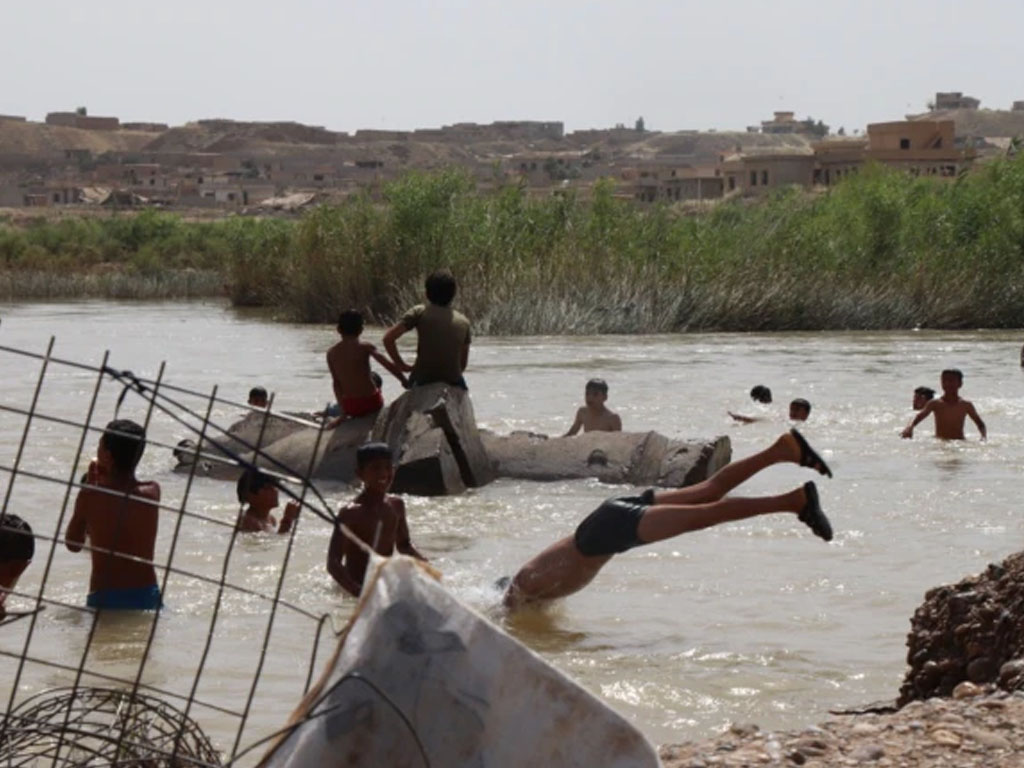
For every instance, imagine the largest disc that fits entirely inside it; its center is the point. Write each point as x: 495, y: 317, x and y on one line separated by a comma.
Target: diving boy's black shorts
x: 611, y: 528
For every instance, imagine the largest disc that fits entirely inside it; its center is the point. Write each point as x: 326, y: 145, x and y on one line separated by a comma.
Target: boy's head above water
x: 441, y: 287
x: 761, y: 394
x: 374, y: 466
x: 951, y: 380
x: 921, y: 397
x: 258, y: 397
x: 596, y: 392
x: 799, y: 409
x: 252, y: 484
x: 121, y: 446
x: 350, y: 323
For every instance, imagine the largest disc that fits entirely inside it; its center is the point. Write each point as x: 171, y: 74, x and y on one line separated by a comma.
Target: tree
x: 841, y: 131
x: 81, y: 111
x: 639, y: 126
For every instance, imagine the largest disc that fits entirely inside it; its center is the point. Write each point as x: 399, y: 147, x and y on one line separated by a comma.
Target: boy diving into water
x: 622, y: 523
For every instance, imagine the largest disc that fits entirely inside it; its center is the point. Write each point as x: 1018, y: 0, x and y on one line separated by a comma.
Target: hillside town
x: 78, y: 160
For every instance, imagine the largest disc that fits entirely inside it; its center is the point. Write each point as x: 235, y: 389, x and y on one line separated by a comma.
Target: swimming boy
x: 442, y: 336
x: 594, y: 416
x: 258, y: 397
x: 922, y: 395
x: 759, y: 394
x: 375, y: 517
x: 799, y: 409
x: 118, y: 514
x: 17, y: 547
x: 620, y: 524
x: 349, y: 364
x: 259, y: 492
x: 950, y: 410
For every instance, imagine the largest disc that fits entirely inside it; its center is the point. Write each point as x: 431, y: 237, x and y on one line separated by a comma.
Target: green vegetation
x: 880, y: 250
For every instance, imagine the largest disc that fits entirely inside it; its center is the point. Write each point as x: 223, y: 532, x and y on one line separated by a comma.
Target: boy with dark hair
x: 950, y: 411
x: 258, y: 397
x: 761, y: 394
x: 375, y: 517
x: 17, y: 548
x: 118, y: 514
x: 921, y: 397
x: 442, y: 336
x: 259, y: 492
x: 594, y: 416
x: 799, y: 409
x: 349, y: 364
x: 619, y: 524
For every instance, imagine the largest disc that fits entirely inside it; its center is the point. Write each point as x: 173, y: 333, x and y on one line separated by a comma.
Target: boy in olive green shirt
x: 443, y: 336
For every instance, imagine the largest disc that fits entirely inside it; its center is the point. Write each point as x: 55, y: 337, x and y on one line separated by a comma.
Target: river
x: 752, y: 621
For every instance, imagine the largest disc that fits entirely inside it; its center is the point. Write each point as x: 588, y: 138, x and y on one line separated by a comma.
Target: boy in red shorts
x: 349, y: 364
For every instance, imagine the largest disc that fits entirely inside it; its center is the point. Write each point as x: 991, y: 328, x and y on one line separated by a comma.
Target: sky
x: 403, y: 64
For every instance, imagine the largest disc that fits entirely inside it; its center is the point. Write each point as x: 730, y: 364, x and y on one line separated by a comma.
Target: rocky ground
x: 962, y: 700
x: 986, y: 729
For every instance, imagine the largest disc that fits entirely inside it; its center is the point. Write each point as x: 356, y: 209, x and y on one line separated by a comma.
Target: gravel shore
x: 978, y: 727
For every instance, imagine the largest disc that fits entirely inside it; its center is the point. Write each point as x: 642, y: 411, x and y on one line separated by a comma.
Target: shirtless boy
x: 594, y: 416
x: 442, y: 336
x: 118, y: 514
x: 259, y: 492
x: 349, y: 363
x: 950, y: 411
x: 375, y: 517
x: 17, y: 547
x: 620, y: 524
x: 258, y: 397
x: 759, y: 394
x: 922, y: 396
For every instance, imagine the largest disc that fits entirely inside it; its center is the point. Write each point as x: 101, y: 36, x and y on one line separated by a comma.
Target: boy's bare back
x: 349, y: 364
x: 126, y: 526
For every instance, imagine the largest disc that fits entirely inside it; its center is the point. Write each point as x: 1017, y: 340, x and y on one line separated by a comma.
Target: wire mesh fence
x: 219, y: 668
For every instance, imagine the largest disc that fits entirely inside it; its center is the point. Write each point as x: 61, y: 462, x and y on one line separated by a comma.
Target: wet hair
x: 125, y: 440
x: 597, y: 385
x: 761, y: 394
x: 954, y: 372
x: 252, y: 481
x: 378, y: 382
x: 16, y: 540
x: 257, y: 393
x: 801, y: 403
x: 367, y: 452
x: 926, y: 392
x: 440, y: 287
x: 350, y: 322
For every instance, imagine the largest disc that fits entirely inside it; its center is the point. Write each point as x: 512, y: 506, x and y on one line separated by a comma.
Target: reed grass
x: 880, y: 250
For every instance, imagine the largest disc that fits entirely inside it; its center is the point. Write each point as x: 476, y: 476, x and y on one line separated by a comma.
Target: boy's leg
x: 663, y: 521
x: 789, y: 447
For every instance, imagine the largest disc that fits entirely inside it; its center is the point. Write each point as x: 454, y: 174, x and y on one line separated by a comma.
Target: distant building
x: 85, y: 122
x: 758, y: 172
x: 1018, y: 106
x: 955, y: 100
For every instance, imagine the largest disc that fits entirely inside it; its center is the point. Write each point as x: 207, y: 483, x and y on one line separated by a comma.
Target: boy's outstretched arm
x: 921, y: 416
x: 390, y: 367
x: 977, y: 421
x: 291, y: 514
x: 337, y: 552
x: 403, y: 542
x: 391, y: 345
x: 576, y: 424
x: 743, y: 419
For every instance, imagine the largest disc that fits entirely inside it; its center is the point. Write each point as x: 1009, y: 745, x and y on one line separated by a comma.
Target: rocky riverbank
x: 961, y: 703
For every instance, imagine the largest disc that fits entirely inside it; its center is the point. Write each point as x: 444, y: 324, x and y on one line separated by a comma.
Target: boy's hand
x: 94, y: 474
x: 291, y: 511
x: 907, y: 433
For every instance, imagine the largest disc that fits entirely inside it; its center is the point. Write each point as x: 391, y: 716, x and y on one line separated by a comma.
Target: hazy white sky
x: 403, y: 64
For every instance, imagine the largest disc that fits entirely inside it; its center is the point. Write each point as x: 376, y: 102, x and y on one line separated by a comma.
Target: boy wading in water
x: 950, y: 411
x: 595, y: 415
x: 375, y: 517
x: 259, y: 492
x: 119, y: 517
x: 622, y: 523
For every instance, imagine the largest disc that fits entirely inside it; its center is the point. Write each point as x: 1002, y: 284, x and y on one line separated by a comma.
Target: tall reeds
x: 880, y: 250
